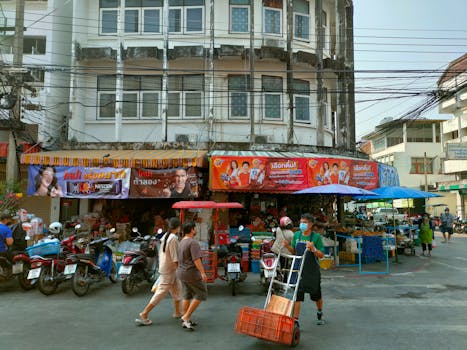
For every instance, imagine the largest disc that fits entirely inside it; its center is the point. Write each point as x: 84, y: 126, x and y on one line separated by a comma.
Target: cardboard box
x: 279, y: 305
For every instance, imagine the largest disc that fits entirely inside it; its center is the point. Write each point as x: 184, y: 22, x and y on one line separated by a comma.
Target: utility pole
x: 425, y: 171
x: 12, y: 161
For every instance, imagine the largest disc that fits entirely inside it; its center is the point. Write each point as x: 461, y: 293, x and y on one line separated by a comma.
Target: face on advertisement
x: 180, y: 179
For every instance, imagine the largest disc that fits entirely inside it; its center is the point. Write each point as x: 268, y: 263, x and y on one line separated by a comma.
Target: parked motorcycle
x: 18, y: 267
x: 458, y: 226
x: 139, y: 265
x: 267, y: 266
x: 52, y: 268
x: 87, y: 269
x: 231, y: 255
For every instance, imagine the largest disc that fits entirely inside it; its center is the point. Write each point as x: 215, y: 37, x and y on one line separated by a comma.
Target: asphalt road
x: 420, y: 304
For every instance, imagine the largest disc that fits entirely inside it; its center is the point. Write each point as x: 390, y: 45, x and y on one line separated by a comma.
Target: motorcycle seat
x: 134, y: 252
x: 83, y: 256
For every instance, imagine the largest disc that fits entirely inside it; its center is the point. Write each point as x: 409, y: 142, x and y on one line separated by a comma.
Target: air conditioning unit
x: 261, y: 139
x: 182, y: 138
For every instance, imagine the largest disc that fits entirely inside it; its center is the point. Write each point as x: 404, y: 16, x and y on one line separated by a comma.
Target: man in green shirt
x: 310, y: 281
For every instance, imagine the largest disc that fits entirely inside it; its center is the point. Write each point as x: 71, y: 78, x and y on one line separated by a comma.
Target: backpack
x: 19, y: 238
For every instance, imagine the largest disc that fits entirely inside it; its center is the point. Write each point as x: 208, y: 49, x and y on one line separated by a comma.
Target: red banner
x: 258, y: 174
x: 264, y: 174
x: 352, y: 172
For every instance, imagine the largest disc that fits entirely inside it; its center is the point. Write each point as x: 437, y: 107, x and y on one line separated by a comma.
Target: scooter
x: 87, y: 269
x: 267, y: 266
x: 52, y: 268
x: 232, y: 257
x: 19, y: 267
x: 139, y: 265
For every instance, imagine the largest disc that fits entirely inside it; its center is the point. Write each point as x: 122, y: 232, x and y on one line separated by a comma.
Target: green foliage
x: 10, y: 196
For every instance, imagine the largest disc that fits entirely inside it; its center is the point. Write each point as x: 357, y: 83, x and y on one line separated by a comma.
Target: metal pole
x: 251, y: 58
x: 425, y: 172
x: 119, y: 78
x: 164, y: 102
x: 12, y: 160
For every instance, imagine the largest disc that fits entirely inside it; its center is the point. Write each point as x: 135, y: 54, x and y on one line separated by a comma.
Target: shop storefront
x: 122, y: 185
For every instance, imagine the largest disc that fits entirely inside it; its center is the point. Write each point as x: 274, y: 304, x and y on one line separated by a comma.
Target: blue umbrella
x: 337, y: 190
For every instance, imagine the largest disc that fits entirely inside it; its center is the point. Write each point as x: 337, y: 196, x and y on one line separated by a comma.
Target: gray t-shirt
x: 188, y: 251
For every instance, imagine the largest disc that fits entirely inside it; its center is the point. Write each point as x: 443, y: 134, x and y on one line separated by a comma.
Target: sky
x: 401, y: 49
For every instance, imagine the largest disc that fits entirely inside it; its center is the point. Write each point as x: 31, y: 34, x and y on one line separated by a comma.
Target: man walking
x: 447, y: 220
x: 191, y: 272
x: 168, y: 281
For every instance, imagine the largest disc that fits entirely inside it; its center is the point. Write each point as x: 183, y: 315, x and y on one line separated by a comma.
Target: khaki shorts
x: 174, y: 288
x: 195, y: 290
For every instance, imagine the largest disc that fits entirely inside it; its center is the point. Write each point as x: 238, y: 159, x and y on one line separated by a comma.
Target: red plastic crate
x: 265, y: 325
x: 210, y: 265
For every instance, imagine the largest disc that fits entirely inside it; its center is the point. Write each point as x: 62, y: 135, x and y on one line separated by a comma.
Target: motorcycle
x: 87, y: 269
x: 18, y: 267
x: 231, y: 256
x: 139, y: 265
x: 267, y: 266
x: 458, y: 226
x: 52, y: 268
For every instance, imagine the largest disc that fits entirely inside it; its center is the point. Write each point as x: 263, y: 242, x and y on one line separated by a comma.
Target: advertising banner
x: 78, y: 182
x: 352, y: 172
x: 258, y: 174
x: 166, y: 183
x: 265, y: 174
x: 388, y: 176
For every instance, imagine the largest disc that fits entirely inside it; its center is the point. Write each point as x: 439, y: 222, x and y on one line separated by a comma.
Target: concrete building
x: 264, y: 73
x: 453, y: 88
x: 46, y: 57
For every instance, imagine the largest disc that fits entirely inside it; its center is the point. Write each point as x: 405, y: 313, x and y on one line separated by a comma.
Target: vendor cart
x: 210, y: 260
x: 276, y: 322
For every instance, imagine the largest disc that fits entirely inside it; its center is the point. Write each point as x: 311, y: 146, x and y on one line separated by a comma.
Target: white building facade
x: 47, y: 57
x: 182, y: 71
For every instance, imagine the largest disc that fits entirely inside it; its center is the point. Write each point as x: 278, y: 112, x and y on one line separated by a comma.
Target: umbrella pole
x: 396, y: 260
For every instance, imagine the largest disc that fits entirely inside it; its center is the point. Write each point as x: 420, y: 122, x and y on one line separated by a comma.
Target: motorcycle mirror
x: 134, y: 229
x: 241, y: 228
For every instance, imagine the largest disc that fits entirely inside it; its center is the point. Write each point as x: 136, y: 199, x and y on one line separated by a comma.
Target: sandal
x: 143, y: 322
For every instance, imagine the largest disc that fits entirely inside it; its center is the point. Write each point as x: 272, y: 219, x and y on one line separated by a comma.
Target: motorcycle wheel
x: 46, y: 285
x: 23, y: 281
x: 113, y: 273
x: 129, y: 284
x: 79, y: 283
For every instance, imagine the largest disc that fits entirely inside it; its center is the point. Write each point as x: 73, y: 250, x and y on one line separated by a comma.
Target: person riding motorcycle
x: 6, y: 235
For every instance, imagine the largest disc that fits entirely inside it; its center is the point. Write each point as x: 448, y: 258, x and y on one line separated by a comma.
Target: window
x: 239, y: 87
x: 239, y: 16
x: 34, y: 45
x: 301, y: 91
x: 140, y: 16
x: 185, y: 96
x: 418, y: 166
x: 185, y: 16
x: 301, y: 10
x: 272, y: 21
x: 272, y: 93
x: 141, y: 96
x: 324, y: 31
x: 420, y: 132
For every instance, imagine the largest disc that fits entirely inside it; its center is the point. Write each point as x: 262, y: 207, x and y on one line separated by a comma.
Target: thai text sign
x: 263, y: 174
x: 167, y: 183
x: 78, y: 182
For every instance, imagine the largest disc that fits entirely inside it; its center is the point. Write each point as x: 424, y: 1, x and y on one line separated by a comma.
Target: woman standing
x: 426, y: 236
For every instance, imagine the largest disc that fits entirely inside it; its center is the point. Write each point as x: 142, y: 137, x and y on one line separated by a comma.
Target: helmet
x: 55, y: 227
x: 285, y: 221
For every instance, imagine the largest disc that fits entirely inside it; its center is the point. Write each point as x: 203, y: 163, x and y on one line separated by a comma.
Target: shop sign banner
x: 352, y: 172
x: 78, y: 182
x: 456, y: 150
x: 258, y: 174
x: 166, y: 183
x: 387, y: 176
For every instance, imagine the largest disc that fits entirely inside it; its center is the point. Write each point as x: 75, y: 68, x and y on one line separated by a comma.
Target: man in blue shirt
x: 6, y: 235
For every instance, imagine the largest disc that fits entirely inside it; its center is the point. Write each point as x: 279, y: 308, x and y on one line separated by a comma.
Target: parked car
x: 386, y: 215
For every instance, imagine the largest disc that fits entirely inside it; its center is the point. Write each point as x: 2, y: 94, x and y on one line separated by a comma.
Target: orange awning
x: 154, y: 159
